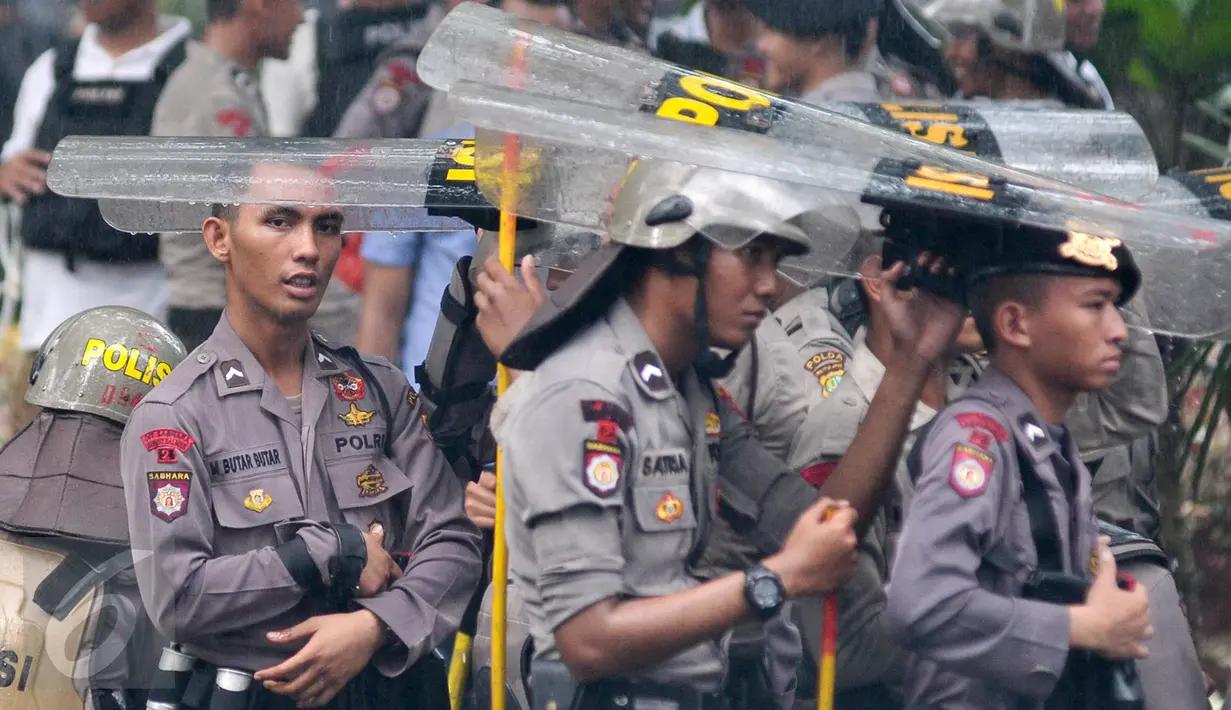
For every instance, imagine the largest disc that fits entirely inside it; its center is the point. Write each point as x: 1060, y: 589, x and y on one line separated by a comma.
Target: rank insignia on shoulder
x: 169, y: 493
x: 356, y: 416
x: 601, y: 467
x: 412, y: 397
x: 233, y: 373
x: 828, y: 367
x: 348, y: 387
x: 713, y: 424
x: 371, y: 482
x: 258, y: 500
x: 166, y: 443
x: 650, y: 372
x: 971, y: 470
x: 669, y: 509
x: 1034, y: 432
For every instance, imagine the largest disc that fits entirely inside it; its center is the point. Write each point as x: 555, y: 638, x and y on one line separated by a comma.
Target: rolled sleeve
x: 580, y: 561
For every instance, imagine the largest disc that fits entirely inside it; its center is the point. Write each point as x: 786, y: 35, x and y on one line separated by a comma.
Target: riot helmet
x: 1026, y: 26
x: 103, y: 361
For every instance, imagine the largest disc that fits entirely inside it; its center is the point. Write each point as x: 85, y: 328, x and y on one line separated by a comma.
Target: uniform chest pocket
x: 662, y: 494
x: 366, y: 488
x: 256, y: 501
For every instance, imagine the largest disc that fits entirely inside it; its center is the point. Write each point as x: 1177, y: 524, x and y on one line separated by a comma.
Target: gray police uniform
x: 867, y: 654
x: 248, y: 499
x: 768, y: 386
x: 611, y: 484
x: 966, y: 550
x: 394, y: 102
x: 209, y: 96
x: 819, y: 337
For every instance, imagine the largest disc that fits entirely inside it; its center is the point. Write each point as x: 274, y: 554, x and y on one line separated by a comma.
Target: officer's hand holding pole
x: 1112, y: 622
x: 338, y: 647
x: 381, y: 570
x: 24, y: 174
x: 504, y: 304
x: 819, y: 554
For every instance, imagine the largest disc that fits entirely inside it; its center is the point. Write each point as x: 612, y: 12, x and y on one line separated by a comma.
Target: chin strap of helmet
x: 709, y: 365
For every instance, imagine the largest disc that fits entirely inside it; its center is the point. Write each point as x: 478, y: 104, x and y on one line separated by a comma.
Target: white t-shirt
x: 50, y: 292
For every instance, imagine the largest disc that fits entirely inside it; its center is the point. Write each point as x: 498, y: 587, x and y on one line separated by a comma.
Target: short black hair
x: 987, y: 295
x: 216, y: 10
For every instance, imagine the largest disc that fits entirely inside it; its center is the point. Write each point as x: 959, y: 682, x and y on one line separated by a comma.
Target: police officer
x: 275, y: 475
x: 648, y: 453
x: 1001, y: 50
x: 988, y: 586
x: 819, y: 50
x: 61, y: 515
x: 214, y: 93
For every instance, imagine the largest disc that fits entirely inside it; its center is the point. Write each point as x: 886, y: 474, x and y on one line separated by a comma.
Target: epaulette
x: 175, y: 385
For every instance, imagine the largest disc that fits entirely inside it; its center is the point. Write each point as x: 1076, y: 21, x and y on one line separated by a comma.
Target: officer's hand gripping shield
x: 150, y: 185
x: 1099, y: 150
x: 1184, y: 259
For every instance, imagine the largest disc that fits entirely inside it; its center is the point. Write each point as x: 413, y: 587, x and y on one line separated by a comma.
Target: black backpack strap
x: 1044, y: 528
x: 66, y: 59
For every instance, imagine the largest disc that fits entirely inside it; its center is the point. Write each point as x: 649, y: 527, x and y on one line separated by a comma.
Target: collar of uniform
x: 868, y: 372
x: 320, y: 360
x: 994, y: 384
x: 236, y: 370
x: 792, y: 312
x: 631, y: 338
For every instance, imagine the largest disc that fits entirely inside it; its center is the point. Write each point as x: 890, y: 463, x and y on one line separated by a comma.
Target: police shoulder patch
x: 828, y: 367
x: 601, y: 462
x: 981, y: 420
x: 237, y: 123
x: 169, y: 491
x: 970, y: 471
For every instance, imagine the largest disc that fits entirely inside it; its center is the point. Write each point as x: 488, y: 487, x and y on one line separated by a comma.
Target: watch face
x: 765, y: 592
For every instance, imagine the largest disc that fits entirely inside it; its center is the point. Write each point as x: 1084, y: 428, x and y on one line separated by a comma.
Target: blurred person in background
x: 715, y: 36
x: 214, y: 94
x: 331, y: 58
x: 20, y: 44
x: 820, y: 50
x: 1083, y: 23
x: 106, y: 82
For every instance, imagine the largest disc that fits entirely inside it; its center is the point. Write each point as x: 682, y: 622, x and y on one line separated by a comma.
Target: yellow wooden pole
x: 500, y: 553
x: 829, y: 649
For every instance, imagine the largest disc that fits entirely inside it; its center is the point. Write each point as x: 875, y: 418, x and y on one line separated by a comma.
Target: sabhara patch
x: 169, y: 493
x: 970, y: 471
x: 602, y: 472
x: 348, y: 387
x: 827, y: 367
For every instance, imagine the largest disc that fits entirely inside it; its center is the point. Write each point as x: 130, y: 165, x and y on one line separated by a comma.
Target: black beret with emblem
x: 813, y: 18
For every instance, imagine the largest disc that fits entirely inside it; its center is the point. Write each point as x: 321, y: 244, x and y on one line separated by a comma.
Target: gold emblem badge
x: 356, y: 416
x: 670, y: 508
x: 1091, y: 250
x: 258, y: 500
x: 713, y: 425
x: 371, y: 482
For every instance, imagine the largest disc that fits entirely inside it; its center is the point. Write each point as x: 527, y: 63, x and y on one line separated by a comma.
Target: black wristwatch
x: 764, y: 591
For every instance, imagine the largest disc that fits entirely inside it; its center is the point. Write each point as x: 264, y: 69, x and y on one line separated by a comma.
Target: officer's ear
x: 1012, y: 323
x: 216, y: 232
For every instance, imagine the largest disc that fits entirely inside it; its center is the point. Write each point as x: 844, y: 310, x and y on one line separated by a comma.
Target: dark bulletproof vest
x: 75, y: 227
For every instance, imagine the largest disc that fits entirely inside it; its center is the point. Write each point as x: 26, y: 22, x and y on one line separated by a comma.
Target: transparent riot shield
x: 1098, y: 150
x: 587, y: 148
x: 171, y: 184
